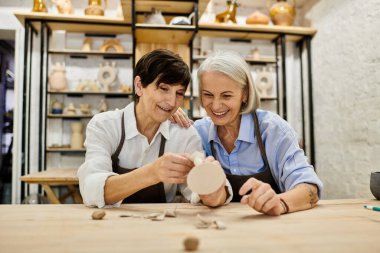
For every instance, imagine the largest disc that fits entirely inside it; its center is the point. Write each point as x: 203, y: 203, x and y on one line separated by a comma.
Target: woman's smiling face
x: 160, y: 102
x: 222, y: 97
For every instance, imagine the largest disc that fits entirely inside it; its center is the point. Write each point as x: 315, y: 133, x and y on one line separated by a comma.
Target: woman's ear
x: 245, y: 96
x: 138, y: 86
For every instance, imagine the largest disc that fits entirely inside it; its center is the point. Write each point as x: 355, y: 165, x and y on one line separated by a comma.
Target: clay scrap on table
x: 153, y: 216
x: 204, y: 223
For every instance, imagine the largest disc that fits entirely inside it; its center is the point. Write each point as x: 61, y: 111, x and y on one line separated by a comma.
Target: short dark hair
x: 163, y: 65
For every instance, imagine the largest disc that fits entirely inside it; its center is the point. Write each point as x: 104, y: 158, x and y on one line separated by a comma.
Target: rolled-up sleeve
x: 97, y: 167
x: 290, y: 163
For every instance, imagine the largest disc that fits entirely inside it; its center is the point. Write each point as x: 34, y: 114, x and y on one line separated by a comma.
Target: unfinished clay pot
x: 257, y: 18
x: 57, y: 77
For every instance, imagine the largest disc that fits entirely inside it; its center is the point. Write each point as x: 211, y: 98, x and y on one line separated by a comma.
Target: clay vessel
x: 57, y: 78
x: 95, y: 8
x: 39, y: 6
x: 76, y: 141
x: 257, y: 18
x: 282, y: 12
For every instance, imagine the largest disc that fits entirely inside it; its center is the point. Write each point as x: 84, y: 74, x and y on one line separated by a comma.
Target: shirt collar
x: 131, y: 124
x: 246, y: 131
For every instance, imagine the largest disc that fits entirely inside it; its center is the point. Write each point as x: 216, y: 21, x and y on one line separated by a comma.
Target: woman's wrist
x: 284, y: 206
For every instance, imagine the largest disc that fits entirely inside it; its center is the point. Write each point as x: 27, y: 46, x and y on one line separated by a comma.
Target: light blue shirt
x: 286, y: 159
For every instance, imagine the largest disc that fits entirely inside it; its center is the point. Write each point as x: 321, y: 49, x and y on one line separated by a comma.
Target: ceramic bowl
x: 375, y: 184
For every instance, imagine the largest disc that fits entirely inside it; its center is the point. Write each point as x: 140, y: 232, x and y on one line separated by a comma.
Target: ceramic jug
x: 64, y: 6
x: 39, y: 6
x: 155, y: 17
x: 95, y: 8
x: 282, y: 12
x: 76, y: 141
x: 57, y: 78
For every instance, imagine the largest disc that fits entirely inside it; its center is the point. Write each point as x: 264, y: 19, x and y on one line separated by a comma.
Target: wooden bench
x: 56, y: 177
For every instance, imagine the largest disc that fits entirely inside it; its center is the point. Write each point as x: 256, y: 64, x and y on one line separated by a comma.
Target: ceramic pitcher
x: 282, y: 12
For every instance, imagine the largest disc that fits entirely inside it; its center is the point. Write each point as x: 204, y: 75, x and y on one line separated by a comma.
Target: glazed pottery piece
x: 39, y: 6
x: 228, y: 15
x: 282, y: 12
x: 155, y: 17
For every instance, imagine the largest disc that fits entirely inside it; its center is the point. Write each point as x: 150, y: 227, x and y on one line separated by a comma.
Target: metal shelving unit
x: 144, y: 39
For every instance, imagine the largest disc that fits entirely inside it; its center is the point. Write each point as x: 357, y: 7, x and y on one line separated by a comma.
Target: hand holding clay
x: 172, y: 168
x: 207, y: 176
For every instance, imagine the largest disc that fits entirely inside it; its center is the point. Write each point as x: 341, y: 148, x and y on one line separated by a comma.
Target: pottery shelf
x: 177, y: 34
x: 75, y: 23
x: 82, y: 54
x: 145, y: 38
x: 65, y: 116
x: 255, y: 32
x: 92, y: 93
x: 261, y: 61
x: 173, y: 8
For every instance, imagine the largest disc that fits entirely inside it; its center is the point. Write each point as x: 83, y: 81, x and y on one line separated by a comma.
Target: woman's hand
x: 262, y: 198
x: 172, y: 168
x: 181, y: 118
x: 218, y: 197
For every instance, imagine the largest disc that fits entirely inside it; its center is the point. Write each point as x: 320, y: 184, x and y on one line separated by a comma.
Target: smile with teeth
x: 165, y: 108
x: 220, y: 113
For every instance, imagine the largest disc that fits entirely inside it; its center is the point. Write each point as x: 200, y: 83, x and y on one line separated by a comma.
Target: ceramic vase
x: 94, y: 8
x: 76, y: 141
x: 39, y: 6
x: 57, y: 78
x: 282, y: 12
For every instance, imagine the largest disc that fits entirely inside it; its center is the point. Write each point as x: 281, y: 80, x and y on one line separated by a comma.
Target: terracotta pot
x: 282, y: 12
x: 257, y: 18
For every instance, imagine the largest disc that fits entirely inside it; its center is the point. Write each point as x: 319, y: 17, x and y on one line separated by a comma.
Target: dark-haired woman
x: 135, y: 155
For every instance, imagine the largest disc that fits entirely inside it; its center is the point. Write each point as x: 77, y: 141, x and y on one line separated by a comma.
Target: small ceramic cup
x: 375, y: 184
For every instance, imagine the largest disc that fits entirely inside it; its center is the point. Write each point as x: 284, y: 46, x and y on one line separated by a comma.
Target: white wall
x: 346, y: 61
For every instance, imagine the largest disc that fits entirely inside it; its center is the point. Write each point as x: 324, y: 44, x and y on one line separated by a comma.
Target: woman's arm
x: 302, y: 197
x: 264, y: 199
x: 169, y: 168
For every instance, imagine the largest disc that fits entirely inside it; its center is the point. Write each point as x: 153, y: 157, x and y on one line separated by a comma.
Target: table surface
x: 333, y: 226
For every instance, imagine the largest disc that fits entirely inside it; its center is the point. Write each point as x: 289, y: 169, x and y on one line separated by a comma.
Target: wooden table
x: 333, y: 226
x: 54, y: 177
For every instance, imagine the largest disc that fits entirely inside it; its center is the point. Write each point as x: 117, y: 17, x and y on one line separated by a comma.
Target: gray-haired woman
x: 258, y: 150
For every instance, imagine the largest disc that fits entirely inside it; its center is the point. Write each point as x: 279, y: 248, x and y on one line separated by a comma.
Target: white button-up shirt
x: 103, y: 135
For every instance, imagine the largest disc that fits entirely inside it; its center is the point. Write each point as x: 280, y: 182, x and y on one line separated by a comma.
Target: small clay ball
x: 191, y: 243
x: 98, y: 215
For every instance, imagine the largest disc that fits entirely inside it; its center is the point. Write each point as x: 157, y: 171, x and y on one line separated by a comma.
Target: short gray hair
x: 235, y: 67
